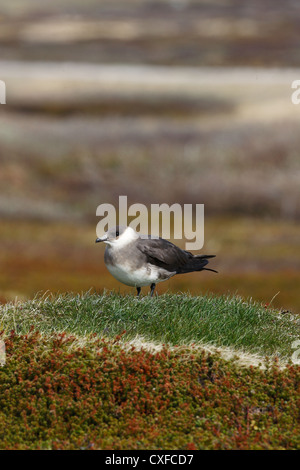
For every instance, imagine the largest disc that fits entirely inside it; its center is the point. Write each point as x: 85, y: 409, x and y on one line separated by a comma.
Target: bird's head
x: 118, y: 236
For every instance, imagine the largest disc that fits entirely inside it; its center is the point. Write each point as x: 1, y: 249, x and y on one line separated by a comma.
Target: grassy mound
x: 171, y: 319
x: 73, y: 380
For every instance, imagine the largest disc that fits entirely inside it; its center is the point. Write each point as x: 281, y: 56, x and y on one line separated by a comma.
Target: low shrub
x: 56, y: 393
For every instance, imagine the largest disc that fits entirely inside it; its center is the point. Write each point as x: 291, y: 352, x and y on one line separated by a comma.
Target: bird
x: 137, y: 261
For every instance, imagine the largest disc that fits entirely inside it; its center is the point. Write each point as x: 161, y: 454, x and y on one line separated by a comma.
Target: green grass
x: 224, y: 321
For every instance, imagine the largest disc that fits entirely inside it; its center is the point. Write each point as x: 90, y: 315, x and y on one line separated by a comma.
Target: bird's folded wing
x: 163, y: 253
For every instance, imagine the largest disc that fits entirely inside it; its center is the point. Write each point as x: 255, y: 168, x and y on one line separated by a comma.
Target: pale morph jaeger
x: 138, y: 262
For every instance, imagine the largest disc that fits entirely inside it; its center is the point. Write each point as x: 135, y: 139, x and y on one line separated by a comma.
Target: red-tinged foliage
x: 56, y: 395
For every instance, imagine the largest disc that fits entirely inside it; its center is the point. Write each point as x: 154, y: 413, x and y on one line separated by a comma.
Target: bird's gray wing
x: 163, y: 253
x: 168, y: 256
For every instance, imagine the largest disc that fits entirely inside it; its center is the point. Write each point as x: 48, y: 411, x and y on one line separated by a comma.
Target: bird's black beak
x: 101, y: 239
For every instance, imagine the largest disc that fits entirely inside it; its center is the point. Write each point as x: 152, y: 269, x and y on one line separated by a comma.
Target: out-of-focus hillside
x: 74, y: 136
x: 182, y: 32
x: 144, y: 99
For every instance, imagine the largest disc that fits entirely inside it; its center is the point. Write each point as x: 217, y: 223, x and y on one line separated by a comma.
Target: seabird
x: 138, y: 262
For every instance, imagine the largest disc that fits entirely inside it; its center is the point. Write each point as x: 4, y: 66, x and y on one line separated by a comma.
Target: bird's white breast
x: 143, y: 276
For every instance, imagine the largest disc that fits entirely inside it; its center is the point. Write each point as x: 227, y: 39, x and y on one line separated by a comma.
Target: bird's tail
x: 196, y: 263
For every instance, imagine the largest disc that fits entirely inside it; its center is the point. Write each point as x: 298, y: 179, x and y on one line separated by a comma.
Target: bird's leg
x: 138, y: 290
x: 152, y: 289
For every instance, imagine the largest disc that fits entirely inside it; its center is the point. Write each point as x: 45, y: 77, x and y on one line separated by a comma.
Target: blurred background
x: 164, y: 101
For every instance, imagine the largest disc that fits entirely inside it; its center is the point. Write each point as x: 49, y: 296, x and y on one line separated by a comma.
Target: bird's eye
x: 117, y: 234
